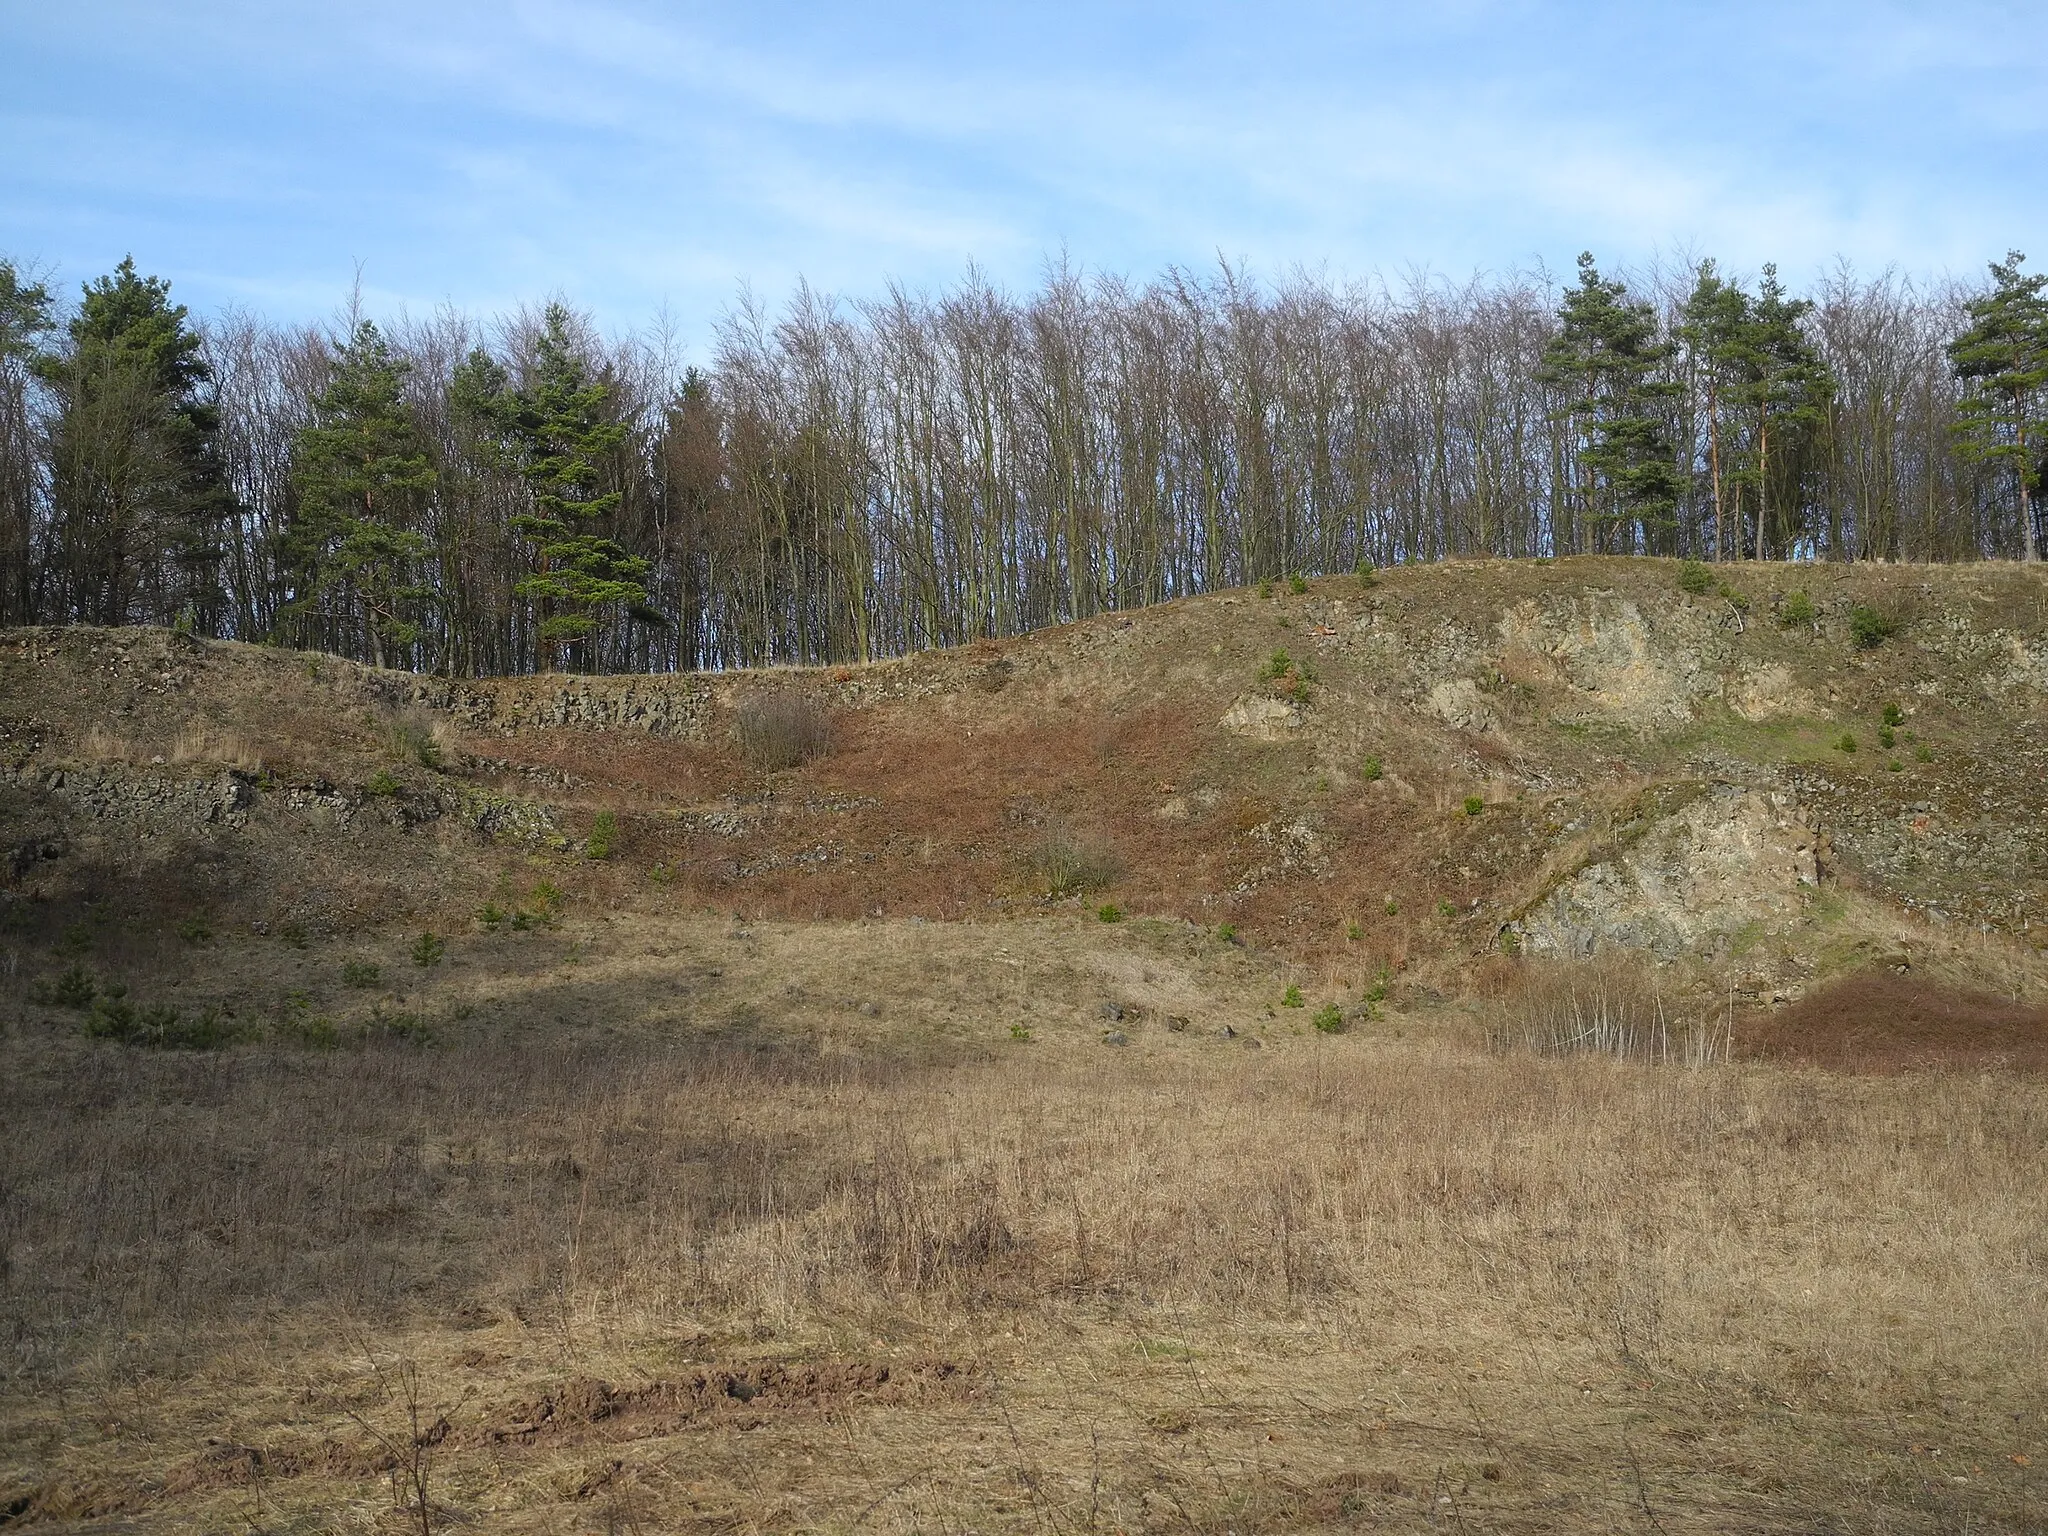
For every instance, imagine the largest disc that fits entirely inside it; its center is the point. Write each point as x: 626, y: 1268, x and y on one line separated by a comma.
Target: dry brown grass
x: 213, y: 746
x: 1188, y: 1285
x: 781, y: 730
x: 1612, y: 1005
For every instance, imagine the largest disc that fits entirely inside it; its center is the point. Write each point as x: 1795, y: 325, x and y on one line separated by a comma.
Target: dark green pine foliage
x: 363, y: 480
x: 1605, y: 364
x: 2003, y: 356
x: 1785, y: 387
x: 25, y: 320
x: 141, y: 499
x: 559, y: 426
x: 1711, y: 328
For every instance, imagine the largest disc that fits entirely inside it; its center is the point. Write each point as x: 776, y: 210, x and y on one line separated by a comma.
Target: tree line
x: 844, y: 480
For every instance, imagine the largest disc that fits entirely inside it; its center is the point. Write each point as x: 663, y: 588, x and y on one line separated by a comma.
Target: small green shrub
x: 405, y: 1028
x: 1368, y: 578
x: 1868, y: 629
x: 159, y: 1026
x: 1393, y: 908
x: 1887, y: 737
x: 1373, y: 770
x: 1797, y: 609
x: 1474, y: 805
x: 75, y: 940
x: 1109, y: 912
x: 1297, y: 585
x: 360, y: 973
x: 293, y: 934
x: 1021, y: 1033
x: 548, y: 900
x: 1695, y: 578
x: 415, y: 739
x: 1739, y: 599
x: 1329, y: 1019
x: 428, y: 949
x: 1846, y: 744
x: 1266, y: 587
x: 195, y: 930
x: 74, y: 989
x: 1285, y: 676
x: 1292, y: 998
x: 1227, y: 932
x: 604, y: 835
x: 490, y: 914
x: 1353, y: 932
x: 1894, y: 716
x: 382, y: 783
x: 1894, y: 766
x: 1922, y: 755
x: 1445, y: 907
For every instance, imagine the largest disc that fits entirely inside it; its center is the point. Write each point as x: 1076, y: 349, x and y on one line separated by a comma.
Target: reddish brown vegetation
x: 1882, y: 1021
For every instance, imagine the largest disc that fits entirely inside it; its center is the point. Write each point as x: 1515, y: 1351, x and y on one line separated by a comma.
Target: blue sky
x: 644, y: 158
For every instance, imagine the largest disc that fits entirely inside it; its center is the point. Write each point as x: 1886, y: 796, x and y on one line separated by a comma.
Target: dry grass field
x: 694, y: 1225
x: 1118, y: 1079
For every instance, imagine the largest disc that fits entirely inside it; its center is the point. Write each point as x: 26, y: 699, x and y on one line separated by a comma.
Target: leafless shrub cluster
x: 781, y: 730
x: 1607, y: 1006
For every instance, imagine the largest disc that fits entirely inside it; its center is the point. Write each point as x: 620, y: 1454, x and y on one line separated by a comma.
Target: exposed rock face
x: 1602, y: 647
x: 1460, y: 704
x: 1263, y: 719
x: 1769, y: 693
x: 1685, y: 882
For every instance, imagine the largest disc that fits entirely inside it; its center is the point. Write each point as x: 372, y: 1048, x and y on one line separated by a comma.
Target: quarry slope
x: 1440, y: 764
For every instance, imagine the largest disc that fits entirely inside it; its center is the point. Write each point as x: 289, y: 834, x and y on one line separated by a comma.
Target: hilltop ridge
x: 1683, y: 773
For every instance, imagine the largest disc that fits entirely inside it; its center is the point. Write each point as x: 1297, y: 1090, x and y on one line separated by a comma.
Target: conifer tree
x: 140, y: 497
x: 25, y: 319
x: 362, y: 475
x: 2003, y: 356
x: 1785, y: 387
x: 1711, y: 326
x: 558, y: 426
x: 1604, y: 361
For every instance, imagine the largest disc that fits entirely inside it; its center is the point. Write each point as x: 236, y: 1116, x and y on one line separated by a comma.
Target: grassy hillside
x: 1503, y: 1063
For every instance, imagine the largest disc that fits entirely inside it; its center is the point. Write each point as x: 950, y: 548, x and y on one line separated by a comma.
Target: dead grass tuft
x: 777, y: 731
x: 1061, y: 864
x: 212, y: 746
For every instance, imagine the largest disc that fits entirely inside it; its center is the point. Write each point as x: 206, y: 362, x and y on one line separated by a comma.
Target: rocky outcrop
x: 1682, y: 883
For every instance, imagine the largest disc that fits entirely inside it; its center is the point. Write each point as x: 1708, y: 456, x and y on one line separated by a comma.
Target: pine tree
x: 25, y: 319
x: 1711, y: 326
x: 1786, y: 388
x: 559, y: 428
x: 141, y: 498
x: 1604, y: 361
x: 362, y: 474
x: 2003, y: 356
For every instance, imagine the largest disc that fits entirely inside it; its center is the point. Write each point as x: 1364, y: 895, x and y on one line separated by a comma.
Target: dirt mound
x: 1881, y: 1021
